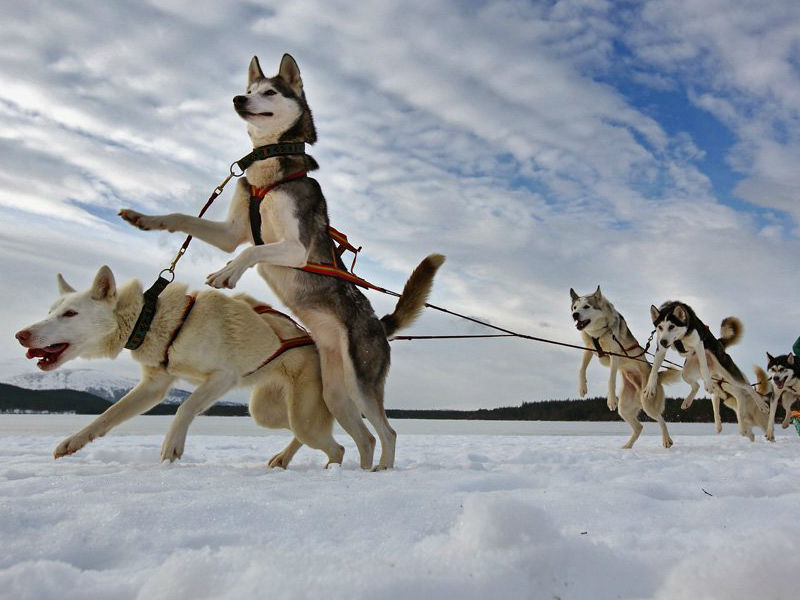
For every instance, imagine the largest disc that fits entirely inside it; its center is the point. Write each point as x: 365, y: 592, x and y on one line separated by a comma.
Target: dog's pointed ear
x: 597, y: 292
x: 573, y: 295
x: 653, y: 313
x: 790, y: 359
x: 770, y: 358
x: 254, y: 72
x: 104, y: 287
x: 290, y: 73
x: 681, y: 314
x: 63, y: 286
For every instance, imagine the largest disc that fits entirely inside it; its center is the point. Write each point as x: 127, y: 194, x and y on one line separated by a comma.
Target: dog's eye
x: 270, y: 93
x: 69, y: 313
x: 671, y: 327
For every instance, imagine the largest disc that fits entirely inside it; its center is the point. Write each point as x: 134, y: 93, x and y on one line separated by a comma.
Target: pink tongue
x: 35, y: 352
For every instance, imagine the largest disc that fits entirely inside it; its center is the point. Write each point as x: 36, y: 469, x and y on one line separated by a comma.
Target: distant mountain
x: 15, y: 399
x: 97, y: 383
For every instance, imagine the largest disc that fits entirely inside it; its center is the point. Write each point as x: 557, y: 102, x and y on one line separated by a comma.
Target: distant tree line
x: 16, y: 399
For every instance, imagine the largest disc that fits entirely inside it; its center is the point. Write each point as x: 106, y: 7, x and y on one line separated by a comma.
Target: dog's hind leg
x: 337, y: 399
x: 148, y: 393
x: 372, y: 406
x: 206, y: 394
x: 611, y: 396
x: 310, y: 419
x: 741, y: 415
x: 715, y: 401
x: 629, y: 407
x: 655, y: 410
x: 284, y: 457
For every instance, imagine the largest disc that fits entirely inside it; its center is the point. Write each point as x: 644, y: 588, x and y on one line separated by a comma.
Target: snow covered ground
x: 473, y: 510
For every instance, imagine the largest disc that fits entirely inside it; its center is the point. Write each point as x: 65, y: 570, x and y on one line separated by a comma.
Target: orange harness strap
x: 295, y: 342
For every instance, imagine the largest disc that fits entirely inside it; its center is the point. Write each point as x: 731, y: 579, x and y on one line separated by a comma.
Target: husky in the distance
x: 677, y: 326
x: 784, y: 377
x: 293, y: 233
x: 604, y: 328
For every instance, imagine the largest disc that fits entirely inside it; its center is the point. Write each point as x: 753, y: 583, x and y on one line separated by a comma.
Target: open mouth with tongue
x: 779, y: 383
x: 582, y: 324
x: 49, y: 355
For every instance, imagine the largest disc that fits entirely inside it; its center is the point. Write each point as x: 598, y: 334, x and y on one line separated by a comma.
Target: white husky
x: 604, y: 328
x: 219, y: 345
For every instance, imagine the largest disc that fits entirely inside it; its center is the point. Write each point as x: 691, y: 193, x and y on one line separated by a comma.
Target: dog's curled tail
x: 730, y: 331
x: 669, y: 376
x: 763, y: 386
x: 415, y: 294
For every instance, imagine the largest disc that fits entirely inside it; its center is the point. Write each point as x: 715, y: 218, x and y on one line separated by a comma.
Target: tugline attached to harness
x: 339, y: 245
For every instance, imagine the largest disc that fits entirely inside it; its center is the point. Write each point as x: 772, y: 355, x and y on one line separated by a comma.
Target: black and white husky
x: 784, y: 375
x: 677, y: 326
x: 351, y: 339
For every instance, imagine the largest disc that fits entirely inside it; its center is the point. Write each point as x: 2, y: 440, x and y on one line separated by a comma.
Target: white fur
x: 221, y: 342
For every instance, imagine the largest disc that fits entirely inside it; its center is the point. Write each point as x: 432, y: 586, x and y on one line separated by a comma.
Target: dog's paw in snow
x: 72, y: 444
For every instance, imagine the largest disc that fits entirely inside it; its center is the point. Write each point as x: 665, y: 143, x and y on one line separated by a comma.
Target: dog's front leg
x: 651, y: 389
x: 148, y: 392
x: 583, y: 386
x: 773, y: 408
x: 287, y: 253
x: 787, y: 399
x: 206, y: 394
x: 611, y: 397
x: 702, y: 362
x: 226, y: 235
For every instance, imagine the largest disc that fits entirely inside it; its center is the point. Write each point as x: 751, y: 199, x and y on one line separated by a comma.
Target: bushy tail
x: 730, y: 331
x: 669, y: 377
x: 763, y: 384
x: 415, y: 294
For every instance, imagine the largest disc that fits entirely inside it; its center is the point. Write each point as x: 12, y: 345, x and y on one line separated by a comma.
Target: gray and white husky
x: 351, y: 339
x: 677, y: 326
x: 604, y: 328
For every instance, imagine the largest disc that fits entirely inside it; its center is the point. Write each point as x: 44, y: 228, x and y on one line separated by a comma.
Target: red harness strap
x: 339, y: 241
x: 295, y: 342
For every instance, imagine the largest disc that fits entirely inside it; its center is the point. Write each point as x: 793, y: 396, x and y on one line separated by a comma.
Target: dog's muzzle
x: 664, y: 344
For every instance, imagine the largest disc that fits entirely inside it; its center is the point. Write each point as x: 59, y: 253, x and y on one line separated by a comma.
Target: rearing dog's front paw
x: 611, y: 401
x: 143, y: 222
x: 583, y: 388
x: 227, y: 277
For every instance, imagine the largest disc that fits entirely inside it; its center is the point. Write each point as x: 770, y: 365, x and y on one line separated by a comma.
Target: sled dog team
x: 705, y: 358
x: 304, y: 379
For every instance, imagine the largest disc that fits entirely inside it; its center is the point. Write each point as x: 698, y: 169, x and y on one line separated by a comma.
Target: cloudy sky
x: 650, y: 147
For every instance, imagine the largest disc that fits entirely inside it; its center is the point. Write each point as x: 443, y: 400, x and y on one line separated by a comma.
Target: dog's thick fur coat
x: 677, y: 326
x: 599, y: 322
x: 220, y: 345
x: 351, y: 340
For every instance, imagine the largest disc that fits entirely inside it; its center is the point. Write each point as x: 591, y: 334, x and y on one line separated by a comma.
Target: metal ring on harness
x: 170, y: 271
x: 233, y: 173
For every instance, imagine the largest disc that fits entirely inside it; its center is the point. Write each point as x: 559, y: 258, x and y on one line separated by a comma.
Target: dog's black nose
x: 664, y: 344
x: 239, y: 101
x: 576, y: 316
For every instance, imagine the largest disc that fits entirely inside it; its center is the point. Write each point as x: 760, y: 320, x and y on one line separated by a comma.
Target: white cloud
x: 481, y: 131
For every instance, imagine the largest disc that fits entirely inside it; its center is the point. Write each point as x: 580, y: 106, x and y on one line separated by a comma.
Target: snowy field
x: 473, y: 510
